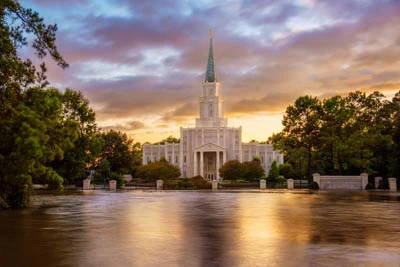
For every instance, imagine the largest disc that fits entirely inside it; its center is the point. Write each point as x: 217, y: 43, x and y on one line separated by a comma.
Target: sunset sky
x: 141, y: 63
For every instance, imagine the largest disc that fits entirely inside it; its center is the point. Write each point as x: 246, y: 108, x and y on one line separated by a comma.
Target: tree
x: 169, y: 139
x: 301, y: 126
x: 273, y: 171
x: 286, y: 170
x: 231, y: 170
x: 252, y: 170
x: 82, y: 156
x: 161, y: 169
x: 350, y: 134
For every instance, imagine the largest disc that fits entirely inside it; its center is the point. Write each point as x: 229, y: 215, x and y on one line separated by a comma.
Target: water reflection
x: 203, y: 229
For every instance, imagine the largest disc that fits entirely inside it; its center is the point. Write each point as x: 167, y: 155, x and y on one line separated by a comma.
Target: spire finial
x: 210, y: 73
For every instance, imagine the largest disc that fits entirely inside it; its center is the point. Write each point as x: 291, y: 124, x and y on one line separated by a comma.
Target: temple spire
x: 210, y: 73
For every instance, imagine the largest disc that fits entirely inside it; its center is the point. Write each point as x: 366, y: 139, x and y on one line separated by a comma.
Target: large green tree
x: 80, y: 158
x: 31, y: 131
x: 120, y: 151
x: 341, y: 135
x: 301, y: 126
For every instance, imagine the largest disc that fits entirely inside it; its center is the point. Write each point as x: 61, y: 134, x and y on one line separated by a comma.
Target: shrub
x: 199, y: 183
x: 286, y: 170
x: 273, y: 171
x: 252, y: 170
x: 234, y: 170
x: 231, y: 170
x: 314, y: 186
x: 158, y: 170
x: 194, y: 183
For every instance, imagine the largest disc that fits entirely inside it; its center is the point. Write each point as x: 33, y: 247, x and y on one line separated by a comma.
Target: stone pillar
x: 173, y: 154
x: 214, y: 185
x: 392, y: 184
x: 378, y: 181
x: 196, y: 171
x: 290, y: 184
x: 364, y: 180
x: 263, y: 184
x: 218, y: 165
x: 160, y: 184
x: 113, y: 185
x: 86, y: 184
x: 202, y: 164
x: 224, y: 157
x: 316, y: 178
x: 218, y: 141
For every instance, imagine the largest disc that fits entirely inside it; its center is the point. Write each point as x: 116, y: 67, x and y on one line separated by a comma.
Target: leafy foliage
x: 119, y: 150
x: 234, y: 170
x: 170, y: 139
x: 158, y: 170
x: 194, y: 183
x: 273, y: 171
x: 286, y: 170
x: 231, y: 170
x: 341, y: 135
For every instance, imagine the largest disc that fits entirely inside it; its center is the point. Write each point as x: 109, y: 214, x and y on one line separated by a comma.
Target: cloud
x: 129, y: 126
x: 149, y: 61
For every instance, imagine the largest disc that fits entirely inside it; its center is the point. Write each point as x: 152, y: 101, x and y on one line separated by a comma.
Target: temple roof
x: 210, y: 73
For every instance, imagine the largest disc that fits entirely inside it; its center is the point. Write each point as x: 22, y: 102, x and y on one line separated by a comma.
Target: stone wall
x: 341, y: 182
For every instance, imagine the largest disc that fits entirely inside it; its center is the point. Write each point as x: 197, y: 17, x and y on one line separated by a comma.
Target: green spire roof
x: 210, y: 73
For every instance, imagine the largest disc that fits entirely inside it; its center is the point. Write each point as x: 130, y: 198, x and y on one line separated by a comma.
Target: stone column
x: 218, y: 141
x: 263, y: 184
x: 378, y: 181
x: 290, y: 184
x: 364, y: 180
x: 196, y: 171
x: 223, y: 157
x: 113, y: 185
x: 202, y: 164
x: 173, y: 155
x: 317, y: 178
x: 181, y: 153
x: 392, y: 184
x: 86, y: 184
x: 160, y: 184
x: 214, y: 185
x: 218, y: 165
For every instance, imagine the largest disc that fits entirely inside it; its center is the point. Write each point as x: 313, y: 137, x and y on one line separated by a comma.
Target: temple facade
x: 206, y: 147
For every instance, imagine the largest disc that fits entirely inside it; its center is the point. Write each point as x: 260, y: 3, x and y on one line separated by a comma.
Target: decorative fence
x: 239, y: 185
x: 301, y: 184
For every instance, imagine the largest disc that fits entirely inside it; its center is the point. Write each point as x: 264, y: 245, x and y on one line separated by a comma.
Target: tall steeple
x: 211, y: 103
x: 210, y: 73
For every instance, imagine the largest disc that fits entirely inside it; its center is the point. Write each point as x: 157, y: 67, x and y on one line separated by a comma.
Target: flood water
x: 139, y: 228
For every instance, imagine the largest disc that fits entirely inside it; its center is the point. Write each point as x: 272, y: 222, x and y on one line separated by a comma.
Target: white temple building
x: 206, y: 147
